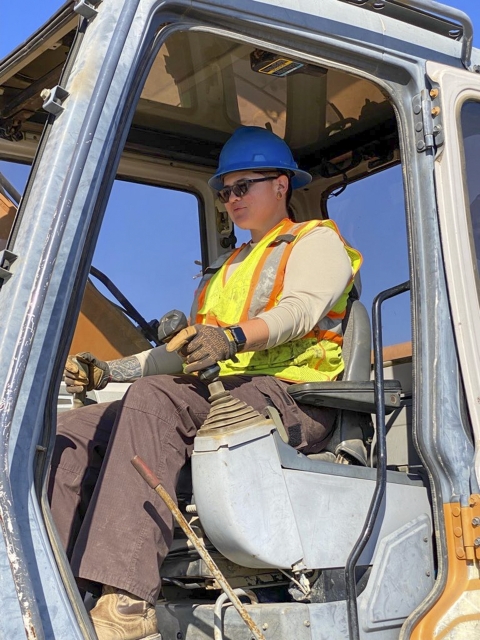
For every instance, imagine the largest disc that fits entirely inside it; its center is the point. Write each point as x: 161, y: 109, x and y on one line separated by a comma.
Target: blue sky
x: 157, y: 275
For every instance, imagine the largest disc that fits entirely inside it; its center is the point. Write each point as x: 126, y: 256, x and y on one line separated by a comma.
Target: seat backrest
x: 357, y: 343
x: 352, y: 429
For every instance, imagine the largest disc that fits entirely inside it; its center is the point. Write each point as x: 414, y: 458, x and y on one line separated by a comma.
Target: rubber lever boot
x: 226, y: 411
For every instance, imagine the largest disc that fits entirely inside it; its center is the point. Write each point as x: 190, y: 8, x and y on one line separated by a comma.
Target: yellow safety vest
x: 256, y: 285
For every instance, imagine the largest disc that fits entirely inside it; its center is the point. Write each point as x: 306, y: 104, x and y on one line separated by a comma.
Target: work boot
x: 119, y: 615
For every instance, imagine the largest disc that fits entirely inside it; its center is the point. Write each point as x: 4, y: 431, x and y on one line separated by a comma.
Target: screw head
x: 265, y: 626
x: 476, y: 542
x: 420, y: 145
x: 476, y: 521
x: 435, y: 111
x: 45, y: 94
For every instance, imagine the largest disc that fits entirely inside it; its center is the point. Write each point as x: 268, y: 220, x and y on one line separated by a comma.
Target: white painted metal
x: 456, y: 87
x: 268, y: 516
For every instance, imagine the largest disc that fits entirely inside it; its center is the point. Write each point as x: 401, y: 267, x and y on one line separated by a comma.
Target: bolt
x: 417, y: 108
x: 476, y: 542
x: 179, y: 635
x: 457, y: 531
x: 418, y: 127
x: 434, y: 93
x: 265, y: 626
x: 437, y: 128
x: 460, y: 552
x: 425, y: 539
x: 476, y: 521
x: 420, y: 145
x: 456, y: 511
x: 45, y: 94
x: 428, y: 574
x: 435, y: 111
x: 307, y: 623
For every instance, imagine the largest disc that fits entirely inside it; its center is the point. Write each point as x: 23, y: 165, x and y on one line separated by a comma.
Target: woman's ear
x: 282, y: 185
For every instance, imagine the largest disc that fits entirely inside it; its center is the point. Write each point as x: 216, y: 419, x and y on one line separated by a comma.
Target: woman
x: 270, y: 313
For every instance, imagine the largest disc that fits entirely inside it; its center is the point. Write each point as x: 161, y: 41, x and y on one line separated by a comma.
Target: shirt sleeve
x: 316, y: 275
x: 158, y: 361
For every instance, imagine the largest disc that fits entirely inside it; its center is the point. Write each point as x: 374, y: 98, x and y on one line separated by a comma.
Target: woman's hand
x: 84, y: 372
x: 202, y: 346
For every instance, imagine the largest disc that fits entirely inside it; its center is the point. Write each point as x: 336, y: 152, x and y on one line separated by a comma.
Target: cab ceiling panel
x: 33, y: 66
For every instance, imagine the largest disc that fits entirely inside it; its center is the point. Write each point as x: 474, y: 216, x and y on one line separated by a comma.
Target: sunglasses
x: 240, y: 188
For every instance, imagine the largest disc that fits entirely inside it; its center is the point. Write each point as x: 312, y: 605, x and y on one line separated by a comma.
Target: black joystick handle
x: 170, y: 324
x: 210, y: 374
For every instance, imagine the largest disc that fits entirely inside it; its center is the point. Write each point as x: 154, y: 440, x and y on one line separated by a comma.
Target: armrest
x: 345, y: 394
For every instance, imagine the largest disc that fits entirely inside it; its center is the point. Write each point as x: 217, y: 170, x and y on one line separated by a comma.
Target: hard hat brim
x: 299, y: 179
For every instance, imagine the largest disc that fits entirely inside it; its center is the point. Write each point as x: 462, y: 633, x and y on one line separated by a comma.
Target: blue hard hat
x: 257, y: 149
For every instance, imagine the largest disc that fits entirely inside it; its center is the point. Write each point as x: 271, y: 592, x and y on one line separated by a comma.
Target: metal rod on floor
x: 154, y: 482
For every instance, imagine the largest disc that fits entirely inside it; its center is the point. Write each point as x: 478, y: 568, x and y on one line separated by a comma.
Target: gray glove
x: 84, y: 372
x: 202, y: 346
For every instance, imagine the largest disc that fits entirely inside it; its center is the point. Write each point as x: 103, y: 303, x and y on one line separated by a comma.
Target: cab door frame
x: 456, y: 86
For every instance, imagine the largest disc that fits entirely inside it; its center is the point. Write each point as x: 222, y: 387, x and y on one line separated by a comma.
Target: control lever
x: 170, y: 324
x: 210, y: 374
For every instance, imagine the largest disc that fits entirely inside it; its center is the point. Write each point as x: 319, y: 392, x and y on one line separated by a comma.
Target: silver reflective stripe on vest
x: 264, y: 288
x: 331, y: 324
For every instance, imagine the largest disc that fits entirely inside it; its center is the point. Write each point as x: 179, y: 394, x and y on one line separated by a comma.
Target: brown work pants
x: 115, y: 529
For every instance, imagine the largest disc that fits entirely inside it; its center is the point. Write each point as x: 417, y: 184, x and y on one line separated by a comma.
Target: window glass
x: 371, y: 216
x: 16, y: 175
x: 148, y: 245
x: 470, y: 118
x: 201, y: 87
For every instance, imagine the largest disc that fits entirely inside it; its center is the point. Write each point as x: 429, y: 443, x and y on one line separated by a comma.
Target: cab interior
x: 201, y: 86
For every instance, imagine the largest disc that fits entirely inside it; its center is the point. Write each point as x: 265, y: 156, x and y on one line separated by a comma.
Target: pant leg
x: 127, y: 529
x: 80, y: 447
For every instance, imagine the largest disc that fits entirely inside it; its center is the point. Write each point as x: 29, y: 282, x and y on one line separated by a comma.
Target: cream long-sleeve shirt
x: 316, y: 275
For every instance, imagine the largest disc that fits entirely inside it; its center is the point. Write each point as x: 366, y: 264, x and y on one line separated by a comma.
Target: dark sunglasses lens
x: 238, y: 189
x: 224, y: 194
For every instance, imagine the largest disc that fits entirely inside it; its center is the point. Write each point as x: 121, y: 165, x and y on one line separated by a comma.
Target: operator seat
x: 352, y: 395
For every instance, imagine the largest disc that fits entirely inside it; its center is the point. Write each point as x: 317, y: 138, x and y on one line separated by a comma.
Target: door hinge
x: 427, y: 114
x: 54, y: 99
x: 466, y: 529
x: 7, y: 258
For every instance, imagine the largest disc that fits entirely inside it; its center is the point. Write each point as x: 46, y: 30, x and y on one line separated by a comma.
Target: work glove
x: 84, y: 372
x: 202, y: 346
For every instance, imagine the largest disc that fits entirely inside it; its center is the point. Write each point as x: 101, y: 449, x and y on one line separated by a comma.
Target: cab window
x: 470, y: 123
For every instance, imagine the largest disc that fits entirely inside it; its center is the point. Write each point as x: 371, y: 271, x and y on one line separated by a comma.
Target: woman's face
x: 262, y: 207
